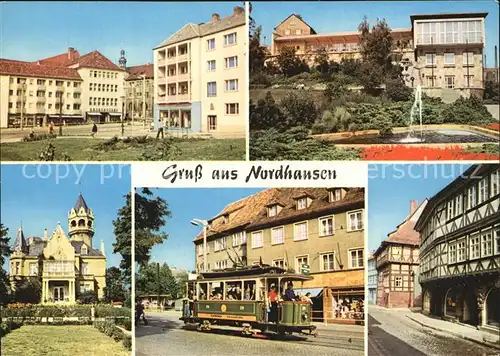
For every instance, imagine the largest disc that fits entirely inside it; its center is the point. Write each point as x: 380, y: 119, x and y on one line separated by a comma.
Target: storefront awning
x: 94, y: 113
x: 314, y: 291
x: 115, y: 114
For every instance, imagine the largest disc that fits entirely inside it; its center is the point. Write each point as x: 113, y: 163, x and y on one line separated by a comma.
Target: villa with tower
x: 65, y: 266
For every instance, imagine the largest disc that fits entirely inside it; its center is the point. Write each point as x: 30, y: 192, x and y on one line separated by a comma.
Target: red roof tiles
x: 136, y: 72
x: 29, y: 69
x: 63, y: 60
x: 95, y: 60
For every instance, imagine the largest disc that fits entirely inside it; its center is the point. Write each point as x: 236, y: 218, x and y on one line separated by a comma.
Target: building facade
x: 460, y: 249
x: 372, y: 279
x: 139, y: 93
x: 397, y: 261
x: 312, y: 231
x: 63, y: 89
x: 200, y: 77
x: 65, y: 267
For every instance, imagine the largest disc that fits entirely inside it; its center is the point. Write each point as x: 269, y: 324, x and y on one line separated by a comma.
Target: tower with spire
x: 81, y: 222
x: 122, y: 62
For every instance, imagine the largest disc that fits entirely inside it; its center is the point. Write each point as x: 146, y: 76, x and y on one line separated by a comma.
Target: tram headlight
x: 304, y: 316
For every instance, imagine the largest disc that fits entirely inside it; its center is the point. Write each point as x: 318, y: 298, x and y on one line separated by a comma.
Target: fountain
x: 417, y: 105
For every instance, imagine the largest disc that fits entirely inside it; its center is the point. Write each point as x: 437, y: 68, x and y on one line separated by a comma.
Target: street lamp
x: 143, y: 100
x: 204, y: 223
x: 122, y: 97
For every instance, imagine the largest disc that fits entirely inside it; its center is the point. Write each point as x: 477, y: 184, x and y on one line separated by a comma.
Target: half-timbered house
x: 460, y: 249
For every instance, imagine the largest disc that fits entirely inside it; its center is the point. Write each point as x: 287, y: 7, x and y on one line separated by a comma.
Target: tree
x: 87, y: 297
x: 150, y: 217
x: 492, y: 91
x: 257, y: 51
x: 266, y: 114
x: 123, y: 233
x: 321, y: 61
x: 299, y: 110
x: 115, y: 290
x: 28, y: 290
x: 336, y: 88
x: 372, y: 77
x: 5, y: 252
x: 153, y: 280
x: 397, y: 90
x: 376, y: 45
x: 289, y: 63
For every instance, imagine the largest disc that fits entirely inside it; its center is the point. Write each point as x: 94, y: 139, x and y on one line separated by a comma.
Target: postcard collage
x: 250, y: 178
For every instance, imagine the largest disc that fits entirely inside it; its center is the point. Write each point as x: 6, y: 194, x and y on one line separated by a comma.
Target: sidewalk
x: 463, y: 331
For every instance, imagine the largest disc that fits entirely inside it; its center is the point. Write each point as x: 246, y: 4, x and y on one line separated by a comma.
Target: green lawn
x: 62, y: 340
x: 90, y: 149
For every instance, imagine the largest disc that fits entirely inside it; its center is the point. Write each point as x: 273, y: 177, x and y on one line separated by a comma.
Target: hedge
x: 111, y: 330
x: 36, y: 310
x: 7, y: 326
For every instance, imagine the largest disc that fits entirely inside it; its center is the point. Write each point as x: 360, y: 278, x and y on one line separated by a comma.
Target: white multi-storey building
x: 200, y: 77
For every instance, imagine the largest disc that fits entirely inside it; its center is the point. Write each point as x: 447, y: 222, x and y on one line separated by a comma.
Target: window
x: 243, y: 238
x: 279, y: 263
x: 278, y: 235
x: 257, y: 239
x: 474, y: 246
x: 84, y: 250
x: 431, y: 81
x: 34, y: 269
x: 495, y: 183
x: 450, y: 209
x: 449, y: 81
x: 469, y: 80
x: 483, y: 191
x: 299, y: 261
x: 458, y: 205
x: 211, y: 89
x: 326, y: 226
x: 230, y: 39
x: 211, y: 65
x: 238, y: 238
x: 300, y: 231
x: 232, y: 109
x: 468, y: 59
x: 298, y: 32
x: 231, y: 62
x: 355, y: 221
x: 398, y: 281
x: 301, y: 203
x: 327, y: 262
x: 356, y: 258
x: 486, y: 244
x: 471, y: 197
x: 211, y: 44
x: 497, y: 240
x: 430, y: 59
x: 85, y: 268
x: 212, y: 122
x: 232, y: 85
x: 452, y: 253
x: 449, y: 59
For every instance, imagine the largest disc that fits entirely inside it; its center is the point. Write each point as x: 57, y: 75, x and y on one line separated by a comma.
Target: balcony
x: 77, y: 100
x: 77, y: 89
x: 41, y: 99
x: 184, y: 77
x: 171, y: 60
x: 63, y: 269
x: 161, y: 62
x: 183, y: 97
x: 162, y: 80
x: 182, y: 57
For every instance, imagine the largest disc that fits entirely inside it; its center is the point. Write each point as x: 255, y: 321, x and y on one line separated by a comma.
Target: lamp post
x: 123, y: 106
x: 23, y: 90
x: 143, y: 100
x: 204, y: 223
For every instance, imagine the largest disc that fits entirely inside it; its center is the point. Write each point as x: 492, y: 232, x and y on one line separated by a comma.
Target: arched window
x: 73, y: 223
x: 89, y: 223
x: 81, y: 222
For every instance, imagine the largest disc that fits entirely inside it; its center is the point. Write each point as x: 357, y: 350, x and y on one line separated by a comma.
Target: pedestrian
x: 161, y: 124
x: 94, y: 130
x: 51, y: 128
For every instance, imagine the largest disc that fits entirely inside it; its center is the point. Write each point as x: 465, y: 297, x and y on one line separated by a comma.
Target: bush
x: 164, y: 150
x: 7, y: 326
x: 260, y: 78
x: 467, y: 111
x: 88, y: 297
x: 38, y: 137
x: 127, y: 342
x: 37, y: 310
x: 397, y: 90
x: 111, y: 330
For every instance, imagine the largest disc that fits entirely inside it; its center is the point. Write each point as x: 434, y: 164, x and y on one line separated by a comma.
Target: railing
x: 182, y: 57
x: 171, y: 60
x: 41, y: 99
x: 161, y: 62
x: 183, y: 77
x: 58, y: 269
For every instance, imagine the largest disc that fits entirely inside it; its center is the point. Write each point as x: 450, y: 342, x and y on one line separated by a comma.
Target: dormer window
x: 84, y: 250
x: 273, y: 210
x: 335, y: 195
x: 225, y: 219
x: 301, y: 203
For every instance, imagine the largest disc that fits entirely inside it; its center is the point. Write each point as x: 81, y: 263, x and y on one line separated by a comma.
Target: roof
x: 63, y: 59
x: 80, y: 203
x: 77, y: 245
x: 300, y: 18
x: 95, y: 59
x: 136, y: 72
x: 29, y: 69
x: 191, y: 30
x: 448, y: 15
x: 337, y: 34
x: 20, y: 243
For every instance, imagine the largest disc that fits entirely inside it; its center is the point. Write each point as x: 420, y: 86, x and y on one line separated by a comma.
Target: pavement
x: 165, y: 335
x: 393, y: 332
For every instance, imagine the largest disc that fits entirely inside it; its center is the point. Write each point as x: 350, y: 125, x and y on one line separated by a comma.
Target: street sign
x: 305, y: 269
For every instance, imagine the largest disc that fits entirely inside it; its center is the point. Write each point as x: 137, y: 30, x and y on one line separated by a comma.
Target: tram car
x: 239, y: 298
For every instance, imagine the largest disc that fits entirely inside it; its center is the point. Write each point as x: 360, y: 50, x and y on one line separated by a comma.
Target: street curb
x: 484, y: 343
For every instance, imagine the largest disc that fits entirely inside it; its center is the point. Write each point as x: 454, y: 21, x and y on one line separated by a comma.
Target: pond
x: 428, y: 136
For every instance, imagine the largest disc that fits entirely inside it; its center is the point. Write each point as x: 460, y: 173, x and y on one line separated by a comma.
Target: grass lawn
x: 62, y: 340
x: 88, y: 149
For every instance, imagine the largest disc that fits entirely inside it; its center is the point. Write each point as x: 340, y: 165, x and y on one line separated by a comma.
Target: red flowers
x: 495, y: 126
x: 415, y: 153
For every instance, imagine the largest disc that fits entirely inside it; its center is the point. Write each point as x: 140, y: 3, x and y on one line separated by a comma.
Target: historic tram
x: 239, y: 298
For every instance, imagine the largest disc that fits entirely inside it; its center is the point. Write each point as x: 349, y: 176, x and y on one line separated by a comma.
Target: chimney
x: 413, y: 206
x: 215, y: 18
x: 238, y: 10
x: 45, y: 235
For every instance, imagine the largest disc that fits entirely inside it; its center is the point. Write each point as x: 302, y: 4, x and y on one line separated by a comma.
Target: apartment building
x: 139, y: 93
x: 309, y: 230
x: 66, y: 88
x: 397, y: 261
x: 449, y: 53
x: 200, y: 76
x: 460, y: 249
x: 64, y: 267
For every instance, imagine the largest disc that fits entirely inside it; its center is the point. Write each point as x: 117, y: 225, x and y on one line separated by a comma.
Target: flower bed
x: 494, y: 126
x: 409, y: 153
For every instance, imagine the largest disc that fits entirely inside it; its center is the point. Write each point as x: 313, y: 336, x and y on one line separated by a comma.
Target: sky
x: 392, y: 187
x: 40, y: 196
x: 35, y: 30
x: 187, y: 204
x: 327, y: 17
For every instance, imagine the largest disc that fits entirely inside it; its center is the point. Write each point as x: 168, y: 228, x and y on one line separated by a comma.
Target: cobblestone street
x: 390, y: 332
x: 165, y: 335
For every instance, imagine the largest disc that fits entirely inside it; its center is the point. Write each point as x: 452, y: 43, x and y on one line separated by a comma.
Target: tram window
x: 249, y: 290
x: 216, y: 291
x: 233, y: 290
x: 202, y: 291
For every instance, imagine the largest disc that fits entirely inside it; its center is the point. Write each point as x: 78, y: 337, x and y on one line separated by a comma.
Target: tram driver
x: 289, y: 293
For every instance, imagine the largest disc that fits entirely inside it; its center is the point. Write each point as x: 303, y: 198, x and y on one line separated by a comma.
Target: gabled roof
x: 187, y: 32
x: 80, y: 203
x: 136, y: 72
x: 77, y: 245
x: 29, y: 69
x: 94, y: 59
x: 20, y: 243
x: 300, y: 18
x: 63, y: 59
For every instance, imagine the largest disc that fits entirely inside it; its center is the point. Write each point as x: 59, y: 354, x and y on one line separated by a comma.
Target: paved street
x: 165, y: 335
x: 390, y: 332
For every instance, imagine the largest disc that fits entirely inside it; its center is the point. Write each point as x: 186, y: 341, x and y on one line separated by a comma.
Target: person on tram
x: 237, y: 293
x: 306, y: 298
x: 273, y: 303
x: 289, y: 293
